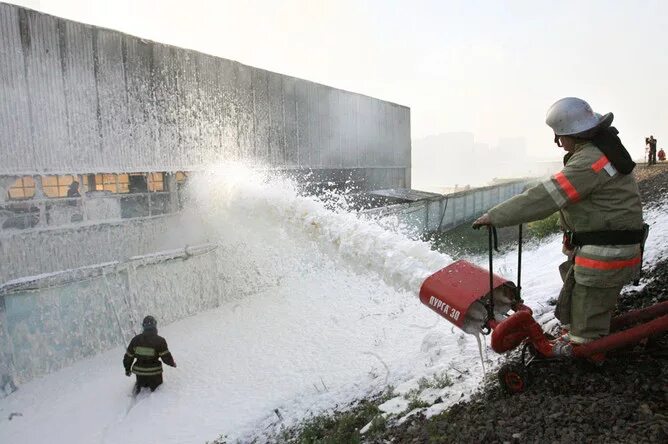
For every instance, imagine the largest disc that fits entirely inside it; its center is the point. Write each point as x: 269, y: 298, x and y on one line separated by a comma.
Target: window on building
x: 123, y: 183
x: 106, y: 182
x: 127, y: 182
x: 56, y: 186
x: 23, y: 188
x: 181, y: 177
x: 137, y: 183
x: 156, y: 181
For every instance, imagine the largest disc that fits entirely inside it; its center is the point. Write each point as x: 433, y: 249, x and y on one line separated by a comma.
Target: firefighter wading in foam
x: 600, y: 211
x: 147, y: 348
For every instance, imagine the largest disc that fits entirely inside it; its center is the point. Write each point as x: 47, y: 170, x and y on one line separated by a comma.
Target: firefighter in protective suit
x: 147, y: 348
x: 600, y: 211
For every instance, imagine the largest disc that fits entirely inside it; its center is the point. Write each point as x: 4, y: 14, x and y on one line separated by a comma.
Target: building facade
x: 99, y: 127
x: 100, y: 133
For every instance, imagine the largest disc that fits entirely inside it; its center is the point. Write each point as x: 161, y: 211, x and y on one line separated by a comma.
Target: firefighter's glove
x: 128, y: 373
x: 483, y: 220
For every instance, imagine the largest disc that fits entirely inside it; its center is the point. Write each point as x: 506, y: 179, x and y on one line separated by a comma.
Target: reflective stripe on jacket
x: 147, y: 349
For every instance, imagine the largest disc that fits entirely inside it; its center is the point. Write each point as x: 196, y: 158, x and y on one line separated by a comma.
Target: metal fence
x: 448, y: 211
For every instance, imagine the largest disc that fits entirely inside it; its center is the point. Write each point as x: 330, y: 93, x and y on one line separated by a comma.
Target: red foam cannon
x: 478, y: 301
x: 463, y: 294
x: 460, y: 293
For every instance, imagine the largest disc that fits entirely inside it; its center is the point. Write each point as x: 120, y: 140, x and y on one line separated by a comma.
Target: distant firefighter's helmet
x: 571, y: 116
x: 149, y: 323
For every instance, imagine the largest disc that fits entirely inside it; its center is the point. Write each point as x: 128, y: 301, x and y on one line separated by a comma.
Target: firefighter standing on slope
x: 651, y: 144
x: 147, y: 348
x: 600, y: 211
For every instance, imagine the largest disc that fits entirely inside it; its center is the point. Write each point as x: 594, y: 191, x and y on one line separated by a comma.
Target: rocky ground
x: 623, y: 400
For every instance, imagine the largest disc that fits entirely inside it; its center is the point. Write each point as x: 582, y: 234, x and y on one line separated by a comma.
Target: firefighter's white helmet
x: 572, y: 116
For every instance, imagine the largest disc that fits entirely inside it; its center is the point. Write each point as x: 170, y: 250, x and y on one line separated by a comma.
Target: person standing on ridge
x: 600, y: 210
x: 147, y: 348
x: 651, y: 143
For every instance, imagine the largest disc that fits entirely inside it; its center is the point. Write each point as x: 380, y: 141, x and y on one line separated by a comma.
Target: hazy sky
x: 488, y: 67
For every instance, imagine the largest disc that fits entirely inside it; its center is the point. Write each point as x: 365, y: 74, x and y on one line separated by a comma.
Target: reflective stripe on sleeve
x: 599, y: 164
x: 554, y: 193
x: 611, y: 170
x: 567, y: 187
x: 164, y: 353
x: 130, y: 355
x: 605, y: 265
x: 604, y: 164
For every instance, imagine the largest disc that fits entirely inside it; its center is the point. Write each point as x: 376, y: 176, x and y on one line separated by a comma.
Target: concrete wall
x: 448, y: 211
x: 81, y: 99
x: 49, y: 322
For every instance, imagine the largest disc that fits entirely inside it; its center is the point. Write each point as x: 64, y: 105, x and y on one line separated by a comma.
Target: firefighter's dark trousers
x: 151, y: 382
x: 587, y: 309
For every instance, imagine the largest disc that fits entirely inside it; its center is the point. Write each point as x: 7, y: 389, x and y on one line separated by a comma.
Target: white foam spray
x: 237, y: 202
